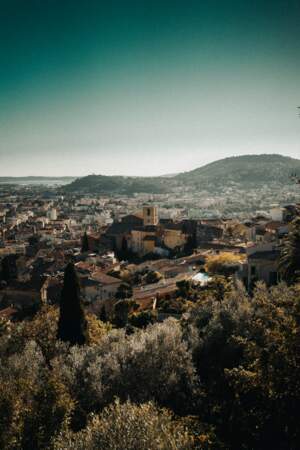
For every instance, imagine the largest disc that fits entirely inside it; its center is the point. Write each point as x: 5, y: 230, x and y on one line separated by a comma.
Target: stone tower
x: 150, y: 215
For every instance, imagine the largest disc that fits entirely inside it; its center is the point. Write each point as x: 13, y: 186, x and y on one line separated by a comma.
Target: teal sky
x: 145, y: 87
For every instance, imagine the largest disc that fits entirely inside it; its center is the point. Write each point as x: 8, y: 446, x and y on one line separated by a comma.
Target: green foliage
x: 34, y: 404
x: 72, y: 325
x: 9, y: 268
x: 245, y: 353
x: 228, y: 374
x: 103, y: 314
x: 124, y: 291
x: 290, y: 254
x: 42, y: 329
x: 225, y: 264
x: 4, y: 326
x: 143, y: 319
x: 131, y: 427
x: 173, y: 305
x: 190, y: 244
x: 217, y: 288
x: 183, y: 288
x: 121, y: 312
x: 151, y: 364
x: 153, y: 277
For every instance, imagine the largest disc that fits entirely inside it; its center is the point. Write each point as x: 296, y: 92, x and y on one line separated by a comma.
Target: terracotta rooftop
x: 82, y: 265
x: 8, y: 312
x: 274, y: 225
x: 103, y: 278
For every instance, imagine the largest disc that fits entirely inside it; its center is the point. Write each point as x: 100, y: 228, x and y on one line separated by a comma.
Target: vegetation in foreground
x: 227, y: 376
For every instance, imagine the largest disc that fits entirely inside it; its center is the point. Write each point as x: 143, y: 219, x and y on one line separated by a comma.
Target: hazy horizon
x: 145, y: 88
x: 139, y: 175
x: 118, y: 171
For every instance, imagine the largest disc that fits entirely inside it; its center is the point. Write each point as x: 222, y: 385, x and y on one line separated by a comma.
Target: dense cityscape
x: 122, y: 241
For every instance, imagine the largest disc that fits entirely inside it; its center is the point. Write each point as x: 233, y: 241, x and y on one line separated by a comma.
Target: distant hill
x: 246, y: 171
x: 117, y: 185
x: 249, y: 171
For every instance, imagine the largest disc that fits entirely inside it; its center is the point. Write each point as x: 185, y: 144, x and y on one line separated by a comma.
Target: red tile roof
x: 104, y: 279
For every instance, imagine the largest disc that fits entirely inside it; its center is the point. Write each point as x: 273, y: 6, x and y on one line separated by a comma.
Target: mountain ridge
x: 242, y: 171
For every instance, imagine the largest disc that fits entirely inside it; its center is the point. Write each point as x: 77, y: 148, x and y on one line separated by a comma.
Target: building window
x: 253, y: 270
x: 148, y: 211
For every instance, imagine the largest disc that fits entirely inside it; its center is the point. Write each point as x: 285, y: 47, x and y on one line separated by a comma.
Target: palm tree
x: 289, y: 265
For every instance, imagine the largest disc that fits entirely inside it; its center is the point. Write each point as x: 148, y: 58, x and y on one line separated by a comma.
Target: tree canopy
x: 290, y: 253
x: 225, y: 376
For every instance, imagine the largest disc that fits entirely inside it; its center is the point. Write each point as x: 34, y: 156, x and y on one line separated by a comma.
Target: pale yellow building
x: 143, y: 240
x: 174, y: 238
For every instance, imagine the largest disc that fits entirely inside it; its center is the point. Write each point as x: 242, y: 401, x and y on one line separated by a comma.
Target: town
x: 149, y: 225
x: 127, y: 248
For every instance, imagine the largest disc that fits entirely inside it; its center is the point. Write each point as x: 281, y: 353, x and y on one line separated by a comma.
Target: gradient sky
x: 145, y: 87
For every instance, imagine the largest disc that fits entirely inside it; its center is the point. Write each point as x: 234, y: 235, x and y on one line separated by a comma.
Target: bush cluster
x: 226, y: 376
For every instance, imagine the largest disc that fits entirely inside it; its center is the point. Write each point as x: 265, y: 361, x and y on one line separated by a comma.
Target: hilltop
x: 117, y: 184
x: 249, y: 171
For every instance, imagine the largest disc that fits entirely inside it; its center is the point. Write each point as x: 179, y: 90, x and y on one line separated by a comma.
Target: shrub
x: 131, y: 427
x: 244, y: 350
x: 153, y: 277
x: 43, y: 330
x: 34, y: 404
x: 151, y: 364
x: 223, y: 264
x: 143, y: 318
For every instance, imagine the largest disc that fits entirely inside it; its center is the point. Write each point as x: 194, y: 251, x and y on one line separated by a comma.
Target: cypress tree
x: 121, y: 312
x: 103, y: 315
x: 9, y: 268
x: 85, y: 243
x: 72, y: 325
